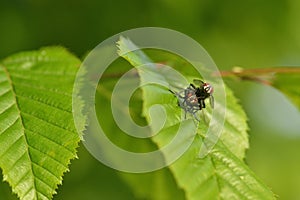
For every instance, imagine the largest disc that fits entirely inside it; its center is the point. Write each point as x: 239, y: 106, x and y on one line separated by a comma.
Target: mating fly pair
x: 192, y: 98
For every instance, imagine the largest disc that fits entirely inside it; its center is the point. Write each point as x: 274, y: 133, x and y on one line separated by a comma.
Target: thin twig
x: 263, y: 76
x: 240, y: 71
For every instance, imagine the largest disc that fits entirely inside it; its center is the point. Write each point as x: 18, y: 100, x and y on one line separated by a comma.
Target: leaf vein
x: 211, y: 176
x: 19, y: 111
x: 216, y: 174
x: 48, y: 122
x: 51, y: 140
x: 42, y: 89
x: 15, y: 73
x: 39, y: 101
x: 44, y: 195
x: 39, y: 179
x: 10, y: 147
x: 51, y: 79
x: 232, y: 186
x: 230, y: 168
x: 51, y: 173
x: 4, y: 92
x: 52, y: 158
x: 16, y: 162
x: 6, y: 109
x: 21, y: 179
x: 27, y: 192
x: 9, y: 126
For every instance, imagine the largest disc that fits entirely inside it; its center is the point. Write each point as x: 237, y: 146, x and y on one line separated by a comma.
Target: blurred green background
x: 250, y: 33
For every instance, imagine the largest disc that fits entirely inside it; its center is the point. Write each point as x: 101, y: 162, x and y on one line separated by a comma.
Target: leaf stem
x: 263, y: 76
x: 240, y: 71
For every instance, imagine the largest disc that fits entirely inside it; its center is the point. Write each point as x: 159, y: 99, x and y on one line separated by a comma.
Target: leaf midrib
x: 219, y: 176
x: 23, y: 128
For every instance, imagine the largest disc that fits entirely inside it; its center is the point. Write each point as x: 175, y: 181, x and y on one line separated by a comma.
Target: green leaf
x: 37, y: 133
x: 220, y: 175
x: 159, y: 184
x: 288, y: 83
x: 285, y: 79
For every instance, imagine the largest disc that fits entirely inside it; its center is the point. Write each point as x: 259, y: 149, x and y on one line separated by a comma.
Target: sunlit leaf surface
x: 220, y: 175
x: 288, y: 83
x: 37, y: 134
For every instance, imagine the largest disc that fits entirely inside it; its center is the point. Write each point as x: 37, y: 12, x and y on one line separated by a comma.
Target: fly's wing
x: 212, y: 101
x: 198, y: 82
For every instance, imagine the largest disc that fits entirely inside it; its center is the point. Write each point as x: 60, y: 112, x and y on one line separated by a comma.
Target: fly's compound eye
x: 208, y: 88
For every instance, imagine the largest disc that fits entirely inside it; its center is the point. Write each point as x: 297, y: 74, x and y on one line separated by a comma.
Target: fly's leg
x: 192, y: 85
x: 201, y: 103
x: 195, y: 115
x: 212, y: 101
